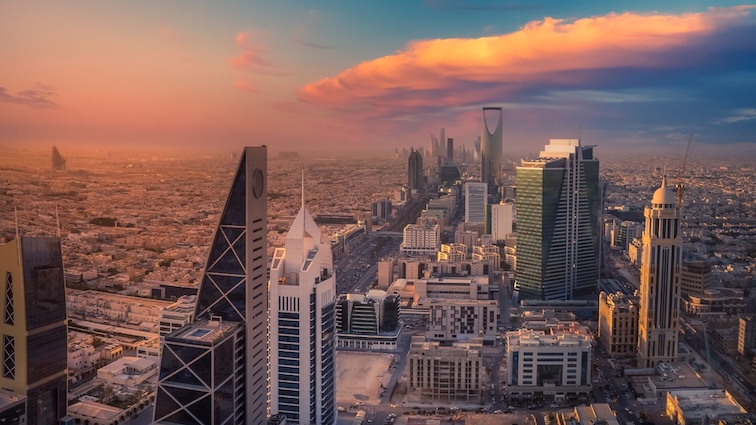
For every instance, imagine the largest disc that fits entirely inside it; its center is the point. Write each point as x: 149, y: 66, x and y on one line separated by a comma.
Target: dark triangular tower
x: 218, y: 363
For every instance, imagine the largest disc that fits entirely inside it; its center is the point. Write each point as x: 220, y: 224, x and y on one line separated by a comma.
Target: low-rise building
x: 447, y: 373
x: 454, y: 252
x: 695, y: 277
x: 368, y: 321
x: 716, y: 302
x: 421, y: 239
x: 555, y: 365
x: 462, y: 320
x: 593, y: 414
x: 703, y: 407
x: 92, y: 412
x: 128, y: 371
x: 487, y: 254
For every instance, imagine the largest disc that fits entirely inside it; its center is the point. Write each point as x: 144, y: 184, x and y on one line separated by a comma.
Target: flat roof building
x: 702, y: 407
x: 618, y: 324
x: 440, y: 372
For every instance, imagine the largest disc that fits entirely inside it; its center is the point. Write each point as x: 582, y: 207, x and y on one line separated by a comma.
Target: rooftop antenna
x: 57, y: 219
x: 18, y: 239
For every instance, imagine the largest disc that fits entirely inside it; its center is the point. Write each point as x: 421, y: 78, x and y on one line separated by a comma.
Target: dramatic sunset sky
x: 359, y: 75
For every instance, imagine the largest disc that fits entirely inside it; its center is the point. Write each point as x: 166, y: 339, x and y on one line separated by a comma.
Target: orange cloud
x: 551, y: 52
x: 251, y: 55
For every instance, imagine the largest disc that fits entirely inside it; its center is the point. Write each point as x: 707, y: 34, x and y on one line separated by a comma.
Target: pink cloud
x: 550, y: 52
x: 245, y: 85
x: 251, y: 55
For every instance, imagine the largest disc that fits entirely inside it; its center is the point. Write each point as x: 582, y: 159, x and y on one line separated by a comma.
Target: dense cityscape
x: 436, y: 212
x: 444, y: 326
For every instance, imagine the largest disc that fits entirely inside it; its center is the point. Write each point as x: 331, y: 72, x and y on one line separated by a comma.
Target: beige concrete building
x: 555, y: 365
x: 462, y: 320
x: 660, y: 279
x: 386, y: 273
x: 695, y: 277
x: 445, y: 373
x: 421, y: 239
x: 454, y: 252
x: 597, y: 413
x: 716, y: 302
x: 746, y: 334
x: 702, y: 407
x: 618, y: 324
x: 487, y: 254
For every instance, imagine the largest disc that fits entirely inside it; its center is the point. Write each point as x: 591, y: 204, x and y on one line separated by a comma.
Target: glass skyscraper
x: 215, y: 369
x: 33, y: 326
x: 558, y: 210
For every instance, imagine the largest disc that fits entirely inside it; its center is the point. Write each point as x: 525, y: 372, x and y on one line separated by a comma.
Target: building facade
x: 369, y: 320
x: 618, y: 324
x: 502, y: 219
x: 462, y: 320
x: 34, y: 326
x: 695, y: 277
x: 445, y: 373
x: 303, y: 327
x: 746, y: 334
x: 660, y: 280
x: 476, y: 197
x: 234, y: 293
x: 555, y: 365
x: 558, y: 211
x: 421, y: 239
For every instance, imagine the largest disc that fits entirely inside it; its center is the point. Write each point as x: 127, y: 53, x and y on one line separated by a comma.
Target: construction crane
x: 681, y: 176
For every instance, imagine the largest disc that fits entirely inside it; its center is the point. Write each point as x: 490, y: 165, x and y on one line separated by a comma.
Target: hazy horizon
x: 324, y: 77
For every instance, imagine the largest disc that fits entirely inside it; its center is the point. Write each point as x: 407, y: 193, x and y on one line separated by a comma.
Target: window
x: 9, y: 357
x: 8, y: 299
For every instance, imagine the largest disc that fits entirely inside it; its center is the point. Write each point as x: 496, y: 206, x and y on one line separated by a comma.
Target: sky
x: 342, y: 75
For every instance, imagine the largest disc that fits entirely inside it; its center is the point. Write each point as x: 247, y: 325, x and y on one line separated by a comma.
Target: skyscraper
x: 558, y: 208
x: 490, y: 150
x: 415, y: 171
x: 33, y: 326
x: 476, y: 197
x: 450, y: 149
x: 660, y: 279
x: 214, y: 370
x: 303, y: 327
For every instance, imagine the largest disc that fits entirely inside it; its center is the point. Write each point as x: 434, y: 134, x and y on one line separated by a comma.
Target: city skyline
x: 366, y: 78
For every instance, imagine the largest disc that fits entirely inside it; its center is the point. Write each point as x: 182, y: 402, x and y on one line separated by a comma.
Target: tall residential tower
x: 215, y: 370
x: 303, y: 327
x: 558, y: 209
x: 660, y: 280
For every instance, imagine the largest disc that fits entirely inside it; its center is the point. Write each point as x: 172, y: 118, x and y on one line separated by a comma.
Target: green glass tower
x: 558, y: 208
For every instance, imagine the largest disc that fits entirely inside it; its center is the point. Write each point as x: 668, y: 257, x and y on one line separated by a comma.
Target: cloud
x: 624, y: 50
x: 38, y: 97
x: 251, y: 56
x: 245, y: 85
x: 743, y: 114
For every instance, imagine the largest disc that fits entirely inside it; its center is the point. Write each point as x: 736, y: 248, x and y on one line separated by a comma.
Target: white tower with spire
x: 660, y: 280
x: 302, y: 326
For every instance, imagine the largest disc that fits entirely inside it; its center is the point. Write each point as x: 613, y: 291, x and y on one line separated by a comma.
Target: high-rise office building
x: 490, y: 150
x: 215, y: 369
x: 558, y: 208
x: 415, y: 171
x: 476, y: 197
x: 450, y: 149
x: 660, y: 280
x: 303, y: 326
x: 33, y: 326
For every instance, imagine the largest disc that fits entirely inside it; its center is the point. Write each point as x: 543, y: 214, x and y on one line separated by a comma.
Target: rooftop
x: 206, y: 331
x: 696, y: 404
